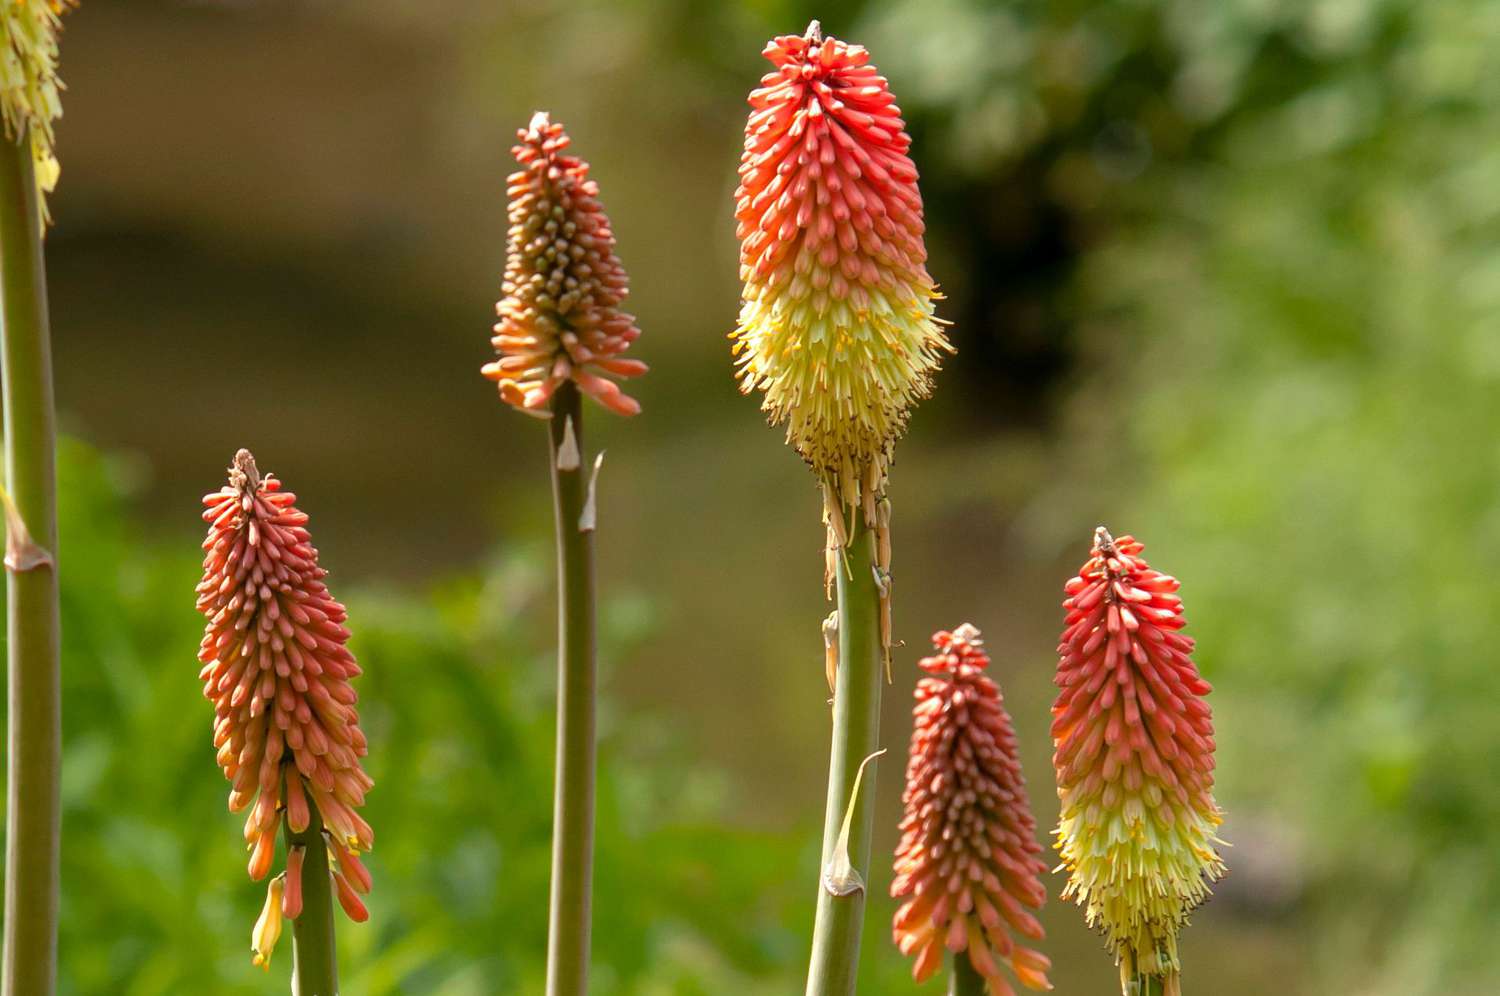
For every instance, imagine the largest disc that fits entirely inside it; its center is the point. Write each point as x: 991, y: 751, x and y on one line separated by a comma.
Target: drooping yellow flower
x: 30, y: 92
x: 836, y: 324
x: 268, y: 927
x: 1134, y: 755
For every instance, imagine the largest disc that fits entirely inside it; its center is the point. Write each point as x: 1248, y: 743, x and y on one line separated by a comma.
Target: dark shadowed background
x: 1222, y: 274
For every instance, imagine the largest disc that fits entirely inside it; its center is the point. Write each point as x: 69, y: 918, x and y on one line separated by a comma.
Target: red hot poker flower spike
x: 836, y: 324
x: 277, y: 670
x: 560, y: 318
x: 1134, y: 759
x: 968, y: 863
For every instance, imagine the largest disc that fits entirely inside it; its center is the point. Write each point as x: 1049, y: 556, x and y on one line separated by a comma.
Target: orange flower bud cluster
x: 277, y: 670
x: 560, y: 318
x: 968, y: 863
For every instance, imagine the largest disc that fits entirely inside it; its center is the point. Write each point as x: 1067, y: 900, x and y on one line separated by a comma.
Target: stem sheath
x: 315, y: 960
x: 573, y: 804
x: 856, y: 732
x: 34, y: 738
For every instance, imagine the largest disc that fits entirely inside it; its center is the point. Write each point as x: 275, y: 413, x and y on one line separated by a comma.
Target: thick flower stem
x: 315, y: 960
x: 856, y: 732
x: 573, y: 805
x: 965, y: 981
x: 34, y: 741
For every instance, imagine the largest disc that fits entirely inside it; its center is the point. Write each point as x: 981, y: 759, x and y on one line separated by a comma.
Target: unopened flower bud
x: 353, y: 906
x: 291, y: 901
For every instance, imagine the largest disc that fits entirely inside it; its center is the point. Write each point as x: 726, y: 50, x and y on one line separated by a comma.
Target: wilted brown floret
x: 968, y: 862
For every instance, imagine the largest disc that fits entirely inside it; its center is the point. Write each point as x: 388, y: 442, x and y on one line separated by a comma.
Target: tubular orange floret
x: 291, y: 899
x: 560, y: 318
x: 1134, y: 757
x: 277, y: 670
x: 968, y: 864
x: 836, y: 324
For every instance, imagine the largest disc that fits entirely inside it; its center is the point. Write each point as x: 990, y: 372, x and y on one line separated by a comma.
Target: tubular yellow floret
x: 30, y: 91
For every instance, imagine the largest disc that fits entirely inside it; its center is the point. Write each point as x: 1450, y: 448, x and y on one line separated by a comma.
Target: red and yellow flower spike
x: 1135, y: 759
x: 968, y: 864
x: 30, y: 92
x: 277, y: 670
x: 560, y: 318
x: 836, y: 323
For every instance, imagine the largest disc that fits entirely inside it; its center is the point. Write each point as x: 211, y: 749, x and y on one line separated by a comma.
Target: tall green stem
x: 965, y: 981
x: 856, y: 732
x: 573, y: 801
x: 34, y: 740
x: 315, y: 959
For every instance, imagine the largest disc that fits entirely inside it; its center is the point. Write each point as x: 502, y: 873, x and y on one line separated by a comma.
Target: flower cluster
x: 836, y: 323
x: 968, y: 863
x: 560, y: 318
x: 277, y: 670
x: 1134, y: 757
x: 29, y: 88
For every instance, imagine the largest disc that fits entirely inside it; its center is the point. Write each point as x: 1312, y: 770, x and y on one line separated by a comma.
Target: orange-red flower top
x: 836, y: 324
x: 968, y: 863
x: 1134, y: 756
x: 277, y: 670
x: 560, y: 318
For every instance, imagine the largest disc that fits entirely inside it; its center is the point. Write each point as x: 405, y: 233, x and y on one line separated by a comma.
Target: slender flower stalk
x: 968, y: 864
x: 276, y: 668
x: 1135, y: 758
x: 29, y: 103
x: 561, y: 330
x: 836, y: 329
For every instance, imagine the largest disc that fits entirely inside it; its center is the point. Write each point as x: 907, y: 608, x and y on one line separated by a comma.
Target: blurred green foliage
x: 456, y: 700
x: 1310, y: 379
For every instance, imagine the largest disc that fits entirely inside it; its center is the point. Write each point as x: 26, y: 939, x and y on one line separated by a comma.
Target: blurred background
x: 1222, y: 274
